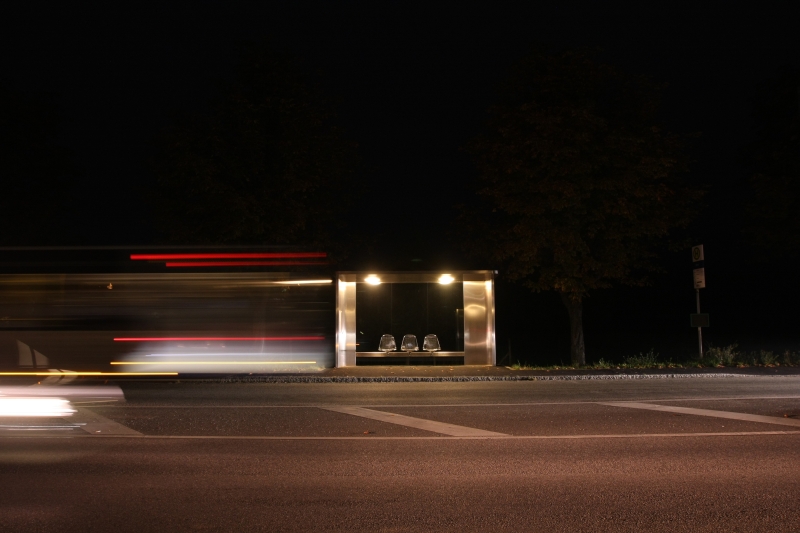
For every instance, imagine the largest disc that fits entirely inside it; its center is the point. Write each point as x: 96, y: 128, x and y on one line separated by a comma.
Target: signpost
x: 699, y: 320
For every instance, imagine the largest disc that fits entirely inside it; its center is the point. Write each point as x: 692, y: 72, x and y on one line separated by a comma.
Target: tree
x: 583, y: 185
x: 263, y: 166
x: 773, y: 159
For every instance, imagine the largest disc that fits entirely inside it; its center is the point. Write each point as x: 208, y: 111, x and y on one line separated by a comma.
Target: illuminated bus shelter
x: 415, y: 314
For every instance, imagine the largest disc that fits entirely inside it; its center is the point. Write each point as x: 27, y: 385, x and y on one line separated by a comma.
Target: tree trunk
x: 574, y: 307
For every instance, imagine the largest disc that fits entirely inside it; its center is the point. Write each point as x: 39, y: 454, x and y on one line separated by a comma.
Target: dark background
x: 411, y: 83
x: 418, y: 309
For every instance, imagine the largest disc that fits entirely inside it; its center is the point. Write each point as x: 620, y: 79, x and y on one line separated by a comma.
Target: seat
x: 387, y: 344
x: 410, y: 343
x: 431, y: 343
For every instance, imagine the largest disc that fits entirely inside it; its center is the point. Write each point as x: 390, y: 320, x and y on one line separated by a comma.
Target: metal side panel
x: 479, y: 338
x: 346, y: 320
x: 490, y: 328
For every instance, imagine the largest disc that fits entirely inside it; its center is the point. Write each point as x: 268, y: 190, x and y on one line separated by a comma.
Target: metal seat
x: 410, y: 343
x: 387, y: 344
x: 431, y: 343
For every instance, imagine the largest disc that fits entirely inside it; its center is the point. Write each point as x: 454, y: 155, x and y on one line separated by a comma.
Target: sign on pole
x: 699, y: 278
x: 699, y: 320
x: 699, y: 270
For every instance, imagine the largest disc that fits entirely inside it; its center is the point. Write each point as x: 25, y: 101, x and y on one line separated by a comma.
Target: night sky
x: 411, y: 84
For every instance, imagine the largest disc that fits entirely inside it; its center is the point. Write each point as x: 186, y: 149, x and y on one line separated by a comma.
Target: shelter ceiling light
x: 372, y: 279
x: 446, y: 279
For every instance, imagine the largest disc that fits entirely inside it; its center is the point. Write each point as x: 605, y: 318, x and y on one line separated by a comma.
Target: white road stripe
x: 707, y: 412
x: 419, y: 423
x: 439, y: 438
x: 97, y: 425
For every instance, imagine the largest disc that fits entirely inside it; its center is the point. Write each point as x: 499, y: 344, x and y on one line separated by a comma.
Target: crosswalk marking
x: 707, y: 412
x: 444, y: 428
x: 94, y: 424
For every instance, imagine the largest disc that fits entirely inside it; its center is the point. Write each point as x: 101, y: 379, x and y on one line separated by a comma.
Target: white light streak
x: 214, y: 362
x: 304, y: 282
x: 110, y: 392
x: 6, y: 427
x: 30, y: 407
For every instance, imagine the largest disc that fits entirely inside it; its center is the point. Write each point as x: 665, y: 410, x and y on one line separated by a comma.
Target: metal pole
x: 699, y: 329
x: 391, y: 308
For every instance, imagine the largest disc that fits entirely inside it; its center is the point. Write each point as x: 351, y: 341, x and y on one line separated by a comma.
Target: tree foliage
x: 583, y: 183
x: 773, y: 159
x: 264, y: 165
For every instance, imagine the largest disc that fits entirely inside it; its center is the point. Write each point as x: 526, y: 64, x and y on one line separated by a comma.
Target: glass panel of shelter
x: 400, y: 309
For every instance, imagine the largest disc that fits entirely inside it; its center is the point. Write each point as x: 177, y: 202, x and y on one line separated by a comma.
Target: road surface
x: 702, y: 454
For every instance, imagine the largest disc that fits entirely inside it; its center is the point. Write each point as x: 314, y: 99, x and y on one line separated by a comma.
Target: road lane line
x: 97, y: 425
x: 444, y: 428
x: 707, y: 412
x: 436, y: 438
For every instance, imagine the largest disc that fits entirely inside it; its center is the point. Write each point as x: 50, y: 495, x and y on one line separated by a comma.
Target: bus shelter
x: 454, y: 312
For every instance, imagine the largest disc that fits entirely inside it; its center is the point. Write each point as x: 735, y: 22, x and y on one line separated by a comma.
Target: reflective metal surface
x: 346, y: 320
x: 479, y: 334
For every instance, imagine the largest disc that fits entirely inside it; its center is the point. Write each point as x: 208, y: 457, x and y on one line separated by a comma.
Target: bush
x: 725, y: 355
x: 767, y: 357
x: 643, y: 359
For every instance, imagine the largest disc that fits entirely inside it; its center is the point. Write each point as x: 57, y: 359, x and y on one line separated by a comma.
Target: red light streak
x: 167, y: 339
x: 241, y: 263
x: 268, y: 255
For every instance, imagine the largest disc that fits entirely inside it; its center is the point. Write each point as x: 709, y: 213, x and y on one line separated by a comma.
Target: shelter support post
x: 479, y: 332
x: 346, y: 321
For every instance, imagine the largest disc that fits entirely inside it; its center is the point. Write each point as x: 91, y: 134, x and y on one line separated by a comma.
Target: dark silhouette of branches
x: 583, y: 184
x: 36, y: 171
x: 264, y: 166
x: 773, y: 159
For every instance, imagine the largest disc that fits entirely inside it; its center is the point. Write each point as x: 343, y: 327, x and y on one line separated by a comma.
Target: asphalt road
x: 703, y: 454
